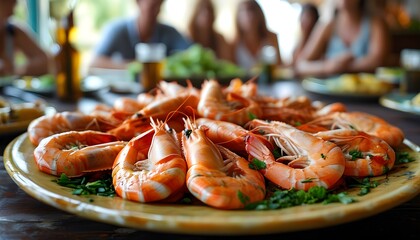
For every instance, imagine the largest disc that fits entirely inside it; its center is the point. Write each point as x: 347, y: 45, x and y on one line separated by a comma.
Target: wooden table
x: 23, y: 217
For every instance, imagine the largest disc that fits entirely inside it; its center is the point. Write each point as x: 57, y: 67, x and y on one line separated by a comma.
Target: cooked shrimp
x: 151, y: 167
x: 131, y: 128
x: 135, y: 126
x: 217, y: 176
x: 366, y: 155
x: 292, y: 111
x: 186, y: 103
x: 229, y: 135
x: 127, y: 104
x: 147, y: 97
x: 173, y: 89
x: 75, y: 153
x: 309, y: 161
x: 247, y: 89
x: 48, y: 125
x: 330, y: 108
x: 364, y: 122
x: 231, y: 107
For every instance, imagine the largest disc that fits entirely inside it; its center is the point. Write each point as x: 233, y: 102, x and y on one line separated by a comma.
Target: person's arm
x: 378, y: 49
x: 109, y: 44
x: 311, y: 61
x: 37, y: 62
x: 275, y: 43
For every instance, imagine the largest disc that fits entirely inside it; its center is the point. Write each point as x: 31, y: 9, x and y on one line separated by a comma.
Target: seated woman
x: 353, y: 41
x: 16, y: 38
x: 308, y: 18
x: 117, y: 48
x: 201, y: 30
x: 252, y: 35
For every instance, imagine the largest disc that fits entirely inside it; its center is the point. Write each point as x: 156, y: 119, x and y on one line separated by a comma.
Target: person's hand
x: 338, y: 64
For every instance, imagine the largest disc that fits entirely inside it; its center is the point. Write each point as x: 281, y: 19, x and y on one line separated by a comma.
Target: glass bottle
x: 68, y: 59
x: 267, y: 61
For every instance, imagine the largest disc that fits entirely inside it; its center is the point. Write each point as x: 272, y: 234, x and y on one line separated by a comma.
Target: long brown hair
x: 262, y: 25
x: 192, y: 26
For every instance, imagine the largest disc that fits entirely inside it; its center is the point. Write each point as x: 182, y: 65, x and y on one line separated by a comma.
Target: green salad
x: 197, y: 61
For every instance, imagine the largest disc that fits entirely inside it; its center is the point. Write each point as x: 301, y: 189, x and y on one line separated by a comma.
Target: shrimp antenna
x: 252, y: 80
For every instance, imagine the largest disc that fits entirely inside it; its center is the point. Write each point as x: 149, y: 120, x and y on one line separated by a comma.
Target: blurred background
x: 402, y: 17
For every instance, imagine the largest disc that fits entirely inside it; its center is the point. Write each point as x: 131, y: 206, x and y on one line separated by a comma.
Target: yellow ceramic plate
x: 402, y: 184
x: 21, y: 126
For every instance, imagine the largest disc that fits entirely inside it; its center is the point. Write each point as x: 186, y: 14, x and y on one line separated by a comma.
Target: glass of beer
x: 151, y: 56
x: 410, y: 61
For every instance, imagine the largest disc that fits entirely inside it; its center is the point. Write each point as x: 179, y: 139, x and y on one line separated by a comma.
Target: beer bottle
x: 68, y: 59
x: 267, y: 61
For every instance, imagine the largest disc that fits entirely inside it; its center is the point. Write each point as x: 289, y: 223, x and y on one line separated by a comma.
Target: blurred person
x: 14, y: 38
x: 117, y: 47
x: 353, y: 41
x: 201, y: 30
x: 308, y: 18
x: 252, y: 35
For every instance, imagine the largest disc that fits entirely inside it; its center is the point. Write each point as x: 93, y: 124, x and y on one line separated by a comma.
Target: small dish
x: 331, y: 87
x: 21, y: 125
x: 400, y: 102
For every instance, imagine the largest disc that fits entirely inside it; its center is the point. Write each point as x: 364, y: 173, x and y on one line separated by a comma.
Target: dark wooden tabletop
x: 24, y: 217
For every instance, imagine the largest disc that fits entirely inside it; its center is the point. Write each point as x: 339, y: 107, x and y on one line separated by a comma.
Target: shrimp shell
x: 371, y: 156
x: 313, y: 161
x: 48, y: 125
x: 151, y: 167
x: 75, y: 153
x: 229, y: 107
x: 217, y: 176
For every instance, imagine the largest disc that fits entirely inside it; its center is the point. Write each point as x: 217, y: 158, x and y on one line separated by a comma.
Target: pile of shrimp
x: 207, y: 142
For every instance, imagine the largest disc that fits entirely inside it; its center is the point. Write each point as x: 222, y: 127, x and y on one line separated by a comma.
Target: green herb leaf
x: 288, y: 198
x: 257, y: 164
x: 355, y: 154
x: 82, y: 186
x: 308, y: 180
x: 277, y: 153
x: 403, y: 157
x: 252, y: 116
x: 243, y: 198
x: 365, y: 184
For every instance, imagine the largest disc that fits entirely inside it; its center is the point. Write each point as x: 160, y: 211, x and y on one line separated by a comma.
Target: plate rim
x: 278, y: 221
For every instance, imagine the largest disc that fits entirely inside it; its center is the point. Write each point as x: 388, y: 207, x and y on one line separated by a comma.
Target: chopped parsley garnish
x: 355, y: 154
x: 243, y: 198
x: 277, y: 153
x: 365, y: 184
x: 83, y: 186
x: 403, y: 157
x: 323, y: 156
x: 289, y: 198
x: 308, y: 180
x: 257, y: 164
x: 252, y: 116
